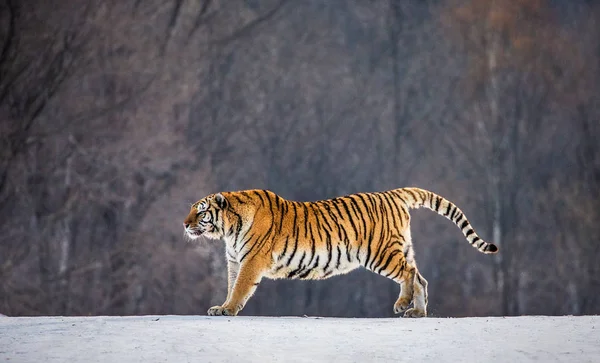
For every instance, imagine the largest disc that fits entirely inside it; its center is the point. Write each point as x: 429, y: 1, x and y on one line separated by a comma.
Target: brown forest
x: 115, y: 116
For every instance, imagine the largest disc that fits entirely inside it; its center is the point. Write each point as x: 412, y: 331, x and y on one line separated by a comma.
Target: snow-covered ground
x: 262, y: 339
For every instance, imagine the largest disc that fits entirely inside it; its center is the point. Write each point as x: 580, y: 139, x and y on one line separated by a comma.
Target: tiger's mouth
x: 194, y: 233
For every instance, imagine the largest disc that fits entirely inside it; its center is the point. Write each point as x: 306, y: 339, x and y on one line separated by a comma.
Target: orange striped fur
x: 268, y: 236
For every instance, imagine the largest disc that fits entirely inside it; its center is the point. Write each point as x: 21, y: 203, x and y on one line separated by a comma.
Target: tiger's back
x: 268, y: 236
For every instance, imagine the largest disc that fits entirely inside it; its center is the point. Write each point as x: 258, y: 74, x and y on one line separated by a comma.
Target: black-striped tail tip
x: 490, y: 248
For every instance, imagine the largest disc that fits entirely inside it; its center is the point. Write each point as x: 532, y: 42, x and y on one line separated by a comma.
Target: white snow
x: 294, y: 339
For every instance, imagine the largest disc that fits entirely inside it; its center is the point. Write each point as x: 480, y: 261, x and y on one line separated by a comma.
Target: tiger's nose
x: 186, y: 225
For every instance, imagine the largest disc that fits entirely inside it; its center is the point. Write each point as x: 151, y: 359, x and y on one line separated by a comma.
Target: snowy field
x: 262, y: 339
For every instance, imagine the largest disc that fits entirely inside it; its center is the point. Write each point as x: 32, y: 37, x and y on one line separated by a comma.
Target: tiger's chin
x: 194, y: 235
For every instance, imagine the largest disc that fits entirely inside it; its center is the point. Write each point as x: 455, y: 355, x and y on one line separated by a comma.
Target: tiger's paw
x: 414, y: 313
x: 219, y: 311
x: 401, y: 305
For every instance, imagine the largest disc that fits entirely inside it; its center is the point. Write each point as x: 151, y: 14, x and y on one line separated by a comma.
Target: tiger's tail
x: 416, y: 198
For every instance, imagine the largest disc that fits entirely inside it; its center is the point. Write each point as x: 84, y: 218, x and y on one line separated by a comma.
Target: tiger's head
x: 207, y: 218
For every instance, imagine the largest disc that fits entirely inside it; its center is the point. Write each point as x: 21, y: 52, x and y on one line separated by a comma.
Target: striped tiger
x: 268, y: 236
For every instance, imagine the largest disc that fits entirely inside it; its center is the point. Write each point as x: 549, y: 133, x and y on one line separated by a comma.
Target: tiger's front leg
x: 248, y: 277
x: 233, y: 269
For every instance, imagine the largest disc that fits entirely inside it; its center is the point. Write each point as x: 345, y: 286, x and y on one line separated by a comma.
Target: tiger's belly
x: 316, y: 272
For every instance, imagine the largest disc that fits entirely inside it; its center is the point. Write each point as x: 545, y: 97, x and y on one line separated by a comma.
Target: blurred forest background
x: 116, y: 115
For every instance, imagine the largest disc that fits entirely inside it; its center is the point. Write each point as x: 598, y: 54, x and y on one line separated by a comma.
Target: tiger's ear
x: 221, y: 201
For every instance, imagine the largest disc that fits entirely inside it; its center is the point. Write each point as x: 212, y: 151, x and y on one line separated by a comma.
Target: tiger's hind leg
x: 420, y: 297
x: 406, y: 293
x: 403, y: 270
x: 394, y: 265
x: 416, y: 281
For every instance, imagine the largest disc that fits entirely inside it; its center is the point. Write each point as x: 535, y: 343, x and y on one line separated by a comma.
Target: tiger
x: 267, y: 236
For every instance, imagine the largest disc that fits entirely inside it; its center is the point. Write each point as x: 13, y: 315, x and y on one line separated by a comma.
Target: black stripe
x: 285, y: 247
x: 243, y: 237
x: 370, y: 209
x: 337, y: 265
x: 393, y: 208
x: 424, y: 195
x: 229, y: 255
x: 383, y: 215
x: 319, y: 227
x: 294, y: 234
x: 247, y: 252
x: 339, y: 214
x: 305, y: 220
x: 369, y: 243
x: 464, y: 224
x: 469, y: 232
x: 412, y: 194
x: 475, y: 240
x: 316, y: 262
x: 369, y: 221
x: 281, y: 208
x: 246, y: 194
x: 403, y: 198
x: 348, y: 257
x: 257, y: 193
x: 381, y: 245
x: 311, y: 235
x: 418, y: 197
x: 377, y: 200
x: 313, y: 243
x: 368, y: 253
x: 265, y: 238
x: 329, y: 228
x: 245, y: 243
x: 400, y: 267
x: 342, y: 229
x: 327, y: 231
x: 359, y: 214
x: 383, y: 249
x: 237, y: 231
x: 304, y: 274
x: 342, y: 233
x: 454, y: 209
x: 438, y: 201
x: 458, y: 217
x: 388, y: 261
x: 448, y: 205
x: 310, y: 269
x: 234, y: 196
x: 388, y: 274
x: 268, y: 199
x: 404, y: 210
x: 300, y: 267
x: 329, y: 253
x: 351, y: 218
x: 389, y: 228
